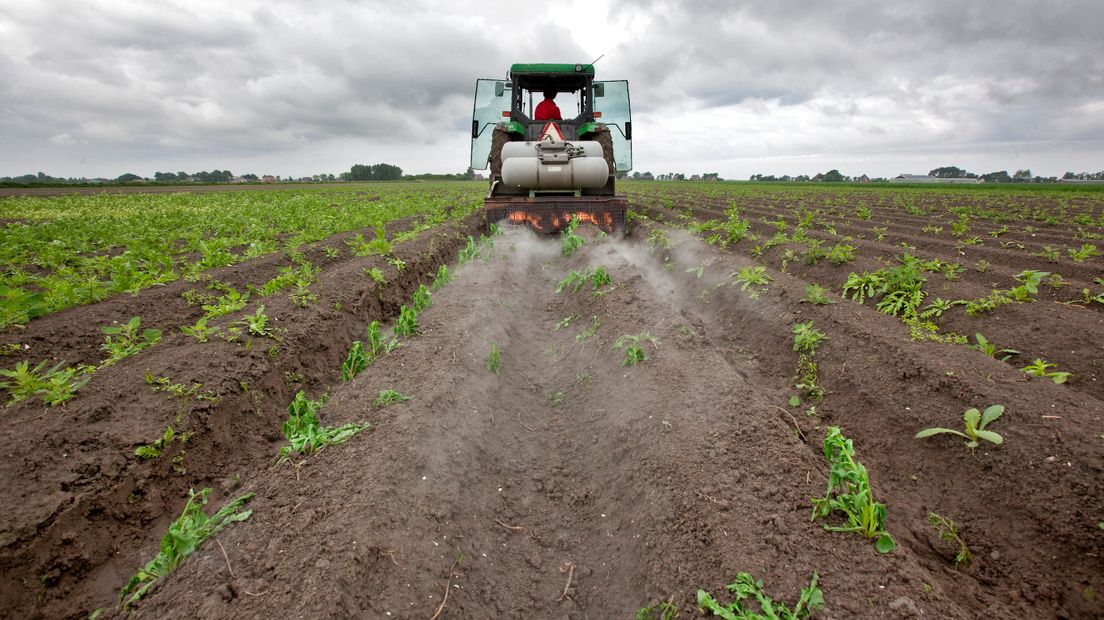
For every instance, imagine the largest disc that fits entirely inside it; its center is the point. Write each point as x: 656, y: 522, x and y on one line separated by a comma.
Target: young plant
x: 256, y: 323
x: 306, y: 435
x: 185, y: 535
x: 990, y: 349
x: 376, y: 274
x: 153, y: 450
x: 494, y: 359
x: 390, y: 397
x: 199, y: 331
x: 421, y: 299
x: 590, y: 331
x: 948, y: 532
x: 1086, y: 252
x: 749, y: 276
x: 121, y: 342
x: 747, y: 587
x: 54, y: 386
x: 659, y: 611
x: 975, y: 427
x: 841, y: 253
x: 407, y: 323
x: 443, y: 278
x: 355, y: 362
x: 631, y: 346
x: 597, y: 276
x: 1041, y: 368
x: 569, y: 241
x: 849, y: 492
x: 806, y: 338
x: 938, y: 306
x: 817, y: 295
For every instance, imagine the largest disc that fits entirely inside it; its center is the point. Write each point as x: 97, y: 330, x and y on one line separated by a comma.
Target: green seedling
x: 121, y: 342
x: 256, y: 324
x: 807, y: 339
x: 976, y: 422
x: 306, y: 434
x: 632, y: 347
x: 53, y: 386
x: 597, y: 276
x: 199, y: 331
x: 569, y: 241
x: 564, y: 322
x: 153, y: 450
x: 849, y: 492
x: 817, y: 295
x: 659, y: 611
x: 355, y: 362
x: 1086, y: 252
x: 397, y: 263
x: 179, y: 390
x: 376, y: 274
x: 1050, y: 254
x: 421, y: 299
x: 185, y: 535
x: 990, y: 349
x: 407, y: 323
x: 948, y: 533
x: 747, y: 587
x: 231, y: 301
x: 1041, y: 368
x: 658, y: 240
x: 390, y: 397
x: 494, y: 359
x: 938, y: 306
x: 750, y: 276
x: 841, y: 253
x: 443, y: 278
x: 590, y: 331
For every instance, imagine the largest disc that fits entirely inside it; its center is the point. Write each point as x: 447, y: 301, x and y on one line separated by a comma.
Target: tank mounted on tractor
x: 544, y: 172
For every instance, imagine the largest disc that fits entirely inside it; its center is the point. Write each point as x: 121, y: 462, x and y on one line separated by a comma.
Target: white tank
x: 529, y: 149
x: 576, y: 173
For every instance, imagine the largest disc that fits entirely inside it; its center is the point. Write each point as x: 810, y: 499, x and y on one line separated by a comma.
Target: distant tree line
x: 375, y: 172
x: 669, y: 176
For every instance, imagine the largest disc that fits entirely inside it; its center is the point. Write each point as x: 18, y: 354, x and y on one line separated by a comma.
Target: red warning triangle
x: 551, y: 132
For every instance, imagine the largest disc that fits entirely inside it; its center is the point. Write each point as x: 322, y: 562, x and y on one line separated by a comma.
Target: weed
x: 376, y: 345
x: 121, y: 342
x: 597, y: 276
x: 153, y: 450
x: 749, y: 276
x: 849, y: 492
x: 990, y: 349
x: 988, y: 303
x: 817, y: 295
x: 564, y: 322
x: 257, y: 323
x: 569, y: 241
x: 841, y: 253
x: 938, y: 306
x: 421, y: 300
x: 179, y: 390
x: 659, y: 611
x: 185, y: 535
x: 590, y: 331
x: 806, y: 338
x: 658, y: 240
x: 948, y: 532
x: 229, y: 302
x: 397, y: 263
x: 53, y: 386
x: 494, y: 359
x: 1086, y: 252
x: 199, y: 331
x: 879, y: 233
x: 981, y: 266
x: 376, y: 274
x: 559, y: 397
x: 630, y: 345
x: 304, y: 432
x: 863, y: 213
x: 1049, y: 254
x: 1029, y: 280
x: 390, y: 397
x: 355, y: 362
x: 975, y: 427
x: 1040, y: 368
x: 745, y: 586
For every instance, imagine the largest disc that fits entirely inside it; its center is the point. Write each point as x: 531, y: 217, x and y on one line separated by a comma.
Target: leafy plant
x: 750, y: 276
x: 229, y: 302
x: 443, y: 278
x: 1050, y: 254
x: 421, y: 299
x: 407, y: 323
x: 938, y: 306
x: 841, y: 253
x: 179, y: 390
x: 807, y: 338
x: 597, y: 276
x: 1086, y: 252
x: 355, y: 362
x: 817, y: 295
x: 53, y: 386
x: 199, y: 331
x: 948, y: 532
x: 1029, y: 280
x: 185, y: 535
x: 747, y: 587
x: 306, y: 435
x: 153, y: 450
x: 390, y: 397
x: 863, y: 213
x: 121, y: 342
x: 494, y: 359
x: 1041, y: 368
x: 376, y: 274
x: 590, y: 331
x: 631, y: 346
x: 975, y: 427
x: 659, y: 611
x: 849, y: 492
x: 257, y: 323
x: 990, y: 349
x: 569, y: 241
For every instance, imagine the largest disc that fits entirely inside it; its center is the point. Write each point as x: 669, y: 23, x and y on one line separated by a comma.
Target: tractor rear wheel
x: 498, y: 138
x: 605, y: 138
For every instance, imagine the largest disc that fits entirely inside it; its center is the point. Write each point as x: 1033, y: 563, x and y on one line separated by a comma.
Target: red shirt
x: 547, y: 111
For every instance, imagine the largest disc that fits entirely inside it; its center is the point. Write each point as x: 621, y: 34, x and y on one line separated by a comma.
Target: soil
x: 566, y: 485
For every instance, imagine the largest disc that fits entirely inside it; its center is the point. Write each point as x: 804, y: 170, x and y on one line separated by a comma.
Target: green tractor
x: 544, y: 172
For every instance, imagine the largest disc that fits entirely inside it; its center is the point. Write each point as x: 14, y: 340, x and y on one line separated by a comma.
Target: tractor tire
x: 605, y: 138
x: 499, y: 138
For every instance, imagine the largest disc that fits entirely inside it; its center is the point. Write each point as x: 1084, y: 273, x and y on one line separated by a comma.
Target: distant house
x: 268, y: 178
x: 863, y: 179
x: 927, y: 178
x: 819, y: 177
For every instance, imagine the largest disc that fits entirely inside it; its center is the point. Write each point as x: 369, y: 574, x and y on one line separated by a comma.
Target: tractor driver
x: 547, y: 109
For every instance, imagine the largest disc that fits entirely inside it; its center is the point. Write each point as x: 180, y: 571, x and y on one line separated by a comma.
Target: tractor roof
x: 551, y: 69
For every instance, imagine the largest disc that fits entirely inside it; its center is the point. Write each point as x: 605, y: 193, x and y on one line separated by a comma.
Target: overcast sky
x: 99, y: 88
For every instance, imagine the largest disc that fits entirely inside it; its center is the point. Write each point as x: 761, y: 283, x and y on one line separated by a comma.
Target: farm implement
x: 544, y: 172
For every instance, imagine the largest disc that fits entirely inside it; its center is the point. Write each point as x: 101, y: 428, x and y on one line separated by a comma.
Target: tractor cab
x: 564, y: 163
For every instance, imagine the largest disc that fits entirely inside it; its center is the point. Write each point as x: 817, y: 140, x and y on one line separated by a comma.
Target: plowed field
x: 563, y: 482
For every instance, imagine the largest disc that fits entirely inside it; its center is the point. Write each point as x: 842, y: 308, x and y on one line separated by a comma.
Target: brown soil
x: 566, y: 485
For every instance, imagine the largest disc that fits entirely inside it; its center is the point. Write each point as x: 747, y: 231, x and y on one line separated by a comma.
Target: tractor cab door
x: 492, y: 98
x: 611, y: 99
